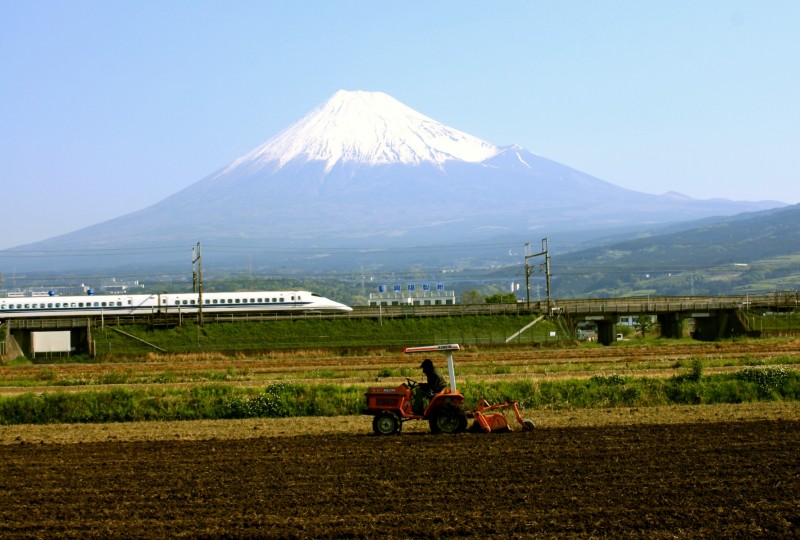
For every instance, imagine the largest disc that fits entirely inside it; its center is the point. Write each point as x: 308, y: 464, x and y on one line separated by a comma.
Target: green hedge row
x: 221, y: 401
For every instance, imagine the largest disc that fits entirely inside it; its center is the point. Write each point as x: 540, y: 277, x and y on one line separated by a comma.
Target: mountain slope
x: 721, y: 255
x: 364, y: 170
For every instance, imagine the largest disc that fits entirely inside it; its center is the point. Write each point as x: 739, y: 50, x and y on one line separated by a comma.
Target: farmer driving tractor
x: 435, y: 384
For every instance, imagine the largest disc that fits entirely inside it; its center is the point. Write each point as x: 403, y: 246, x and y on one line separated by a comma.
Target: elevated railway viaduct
x: 714, y: 317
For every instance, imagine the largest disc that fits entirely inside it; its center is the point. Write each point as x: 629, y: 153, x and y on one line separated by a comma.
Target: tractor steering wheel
x: 411, y: 383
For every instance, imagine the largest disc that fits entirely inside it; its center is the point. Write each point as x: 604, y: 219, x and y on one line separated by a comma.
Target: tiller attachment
x: 488, y: 422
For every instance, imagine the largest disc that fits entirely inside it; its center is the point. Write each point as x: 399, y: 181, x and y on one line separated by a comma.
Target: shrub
x: 608, y: 380
x: 385, y: 372
x: 694, y: 374
x: 769, y: 380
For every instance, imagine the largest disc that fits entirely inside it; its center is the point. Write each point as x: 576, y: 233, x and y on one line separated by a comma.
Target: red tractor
x: 393, y: 406
x: 444, y: 411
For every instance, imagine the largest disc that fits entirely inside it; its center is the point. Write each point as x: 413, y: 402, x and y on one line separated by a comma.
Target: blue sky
x: 109, y: 107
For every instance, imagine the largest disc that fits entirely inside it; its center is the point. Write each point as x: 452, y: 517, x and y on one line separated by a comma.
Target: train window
x: 292, y: 298
x: 96, y: 304
x: 252, y: 300
x: 177, y: 302
x: 215, y: 300
x: 191, y: 302
x: 27, y: 306
x: 282, y: 300
x: 259, y: 300
x: 80, y: 304
x: 230, y: 301
x: 274, y: 299
x: 119, y: 303
x: 103, y: 304
x: 206, y: 301
x: 130, y: 302
x: 185, y: 302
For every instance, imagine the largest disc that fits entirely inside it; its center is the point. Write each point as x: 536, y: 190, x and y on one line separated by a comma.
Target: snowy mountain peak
x: 371, y: 128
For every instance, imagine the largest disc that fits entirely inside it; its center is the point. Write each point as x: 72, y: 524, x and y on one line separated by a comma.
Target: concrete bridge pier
x: 718, y: 324
x: 606, y: 333
x: 671, y: 325
x: 708, y: 327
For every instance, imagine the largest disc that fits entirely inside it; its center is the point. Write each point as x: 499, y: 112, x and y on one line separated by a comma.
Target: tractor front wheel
x: 448, y: 419
x: 386, y: 424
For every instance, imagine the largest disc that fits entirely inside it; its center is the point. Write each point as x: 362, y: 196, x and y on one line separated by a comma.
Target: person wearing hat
x: 424, y: 391
x: 435, y: 382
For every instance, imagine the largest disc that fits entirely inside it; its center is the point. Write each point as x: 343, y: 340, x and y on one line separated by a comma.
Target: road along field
x: 699, y: 480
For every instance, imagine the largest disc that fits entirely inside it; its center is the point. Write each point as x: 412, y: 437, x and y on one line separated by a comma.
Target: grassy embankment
x: 341, y: 333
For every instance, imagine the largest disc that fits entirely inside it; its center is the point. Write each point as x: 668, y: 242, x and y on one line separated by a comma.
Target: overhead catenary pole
x: 197, y: 280
x: 547, y: 274
x: 529, y: 270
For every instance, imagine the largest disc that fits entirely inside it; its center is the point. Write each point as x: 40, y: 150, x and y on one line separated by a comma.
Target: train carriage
x: 31, y: 307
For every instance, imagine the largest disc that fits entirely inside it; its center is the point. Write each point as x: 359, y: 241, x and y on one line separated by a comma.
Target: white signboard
x: 49, y: 342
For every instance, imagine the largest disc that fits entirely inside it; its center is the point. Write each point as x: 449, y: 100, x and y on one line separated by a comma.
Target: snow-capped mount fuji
x: 367, y: 128
x: 364, y: 170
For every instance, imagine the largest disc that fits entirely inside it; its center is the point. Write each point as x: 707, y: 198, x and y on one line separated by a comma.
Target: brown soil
x: 727, y: 479
x: 698, y: 471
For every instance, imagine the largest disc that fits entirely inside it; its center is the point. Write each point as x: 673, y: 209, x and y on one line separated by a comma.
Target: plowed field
x: 712, y: 480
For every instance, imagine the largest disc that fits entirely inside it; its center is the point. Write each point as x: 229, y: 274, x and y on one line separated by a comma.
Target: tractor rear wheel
x: 448, y: 418
x: 386, y: 424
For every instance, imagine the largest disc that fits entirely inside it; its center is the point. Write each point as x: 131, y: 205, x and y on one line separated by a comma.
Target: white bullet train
x: 28, y: 307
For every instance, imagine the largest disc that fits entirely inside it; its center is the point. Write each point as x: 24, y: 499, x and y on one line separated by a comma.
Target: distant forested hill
x: 753, y: 252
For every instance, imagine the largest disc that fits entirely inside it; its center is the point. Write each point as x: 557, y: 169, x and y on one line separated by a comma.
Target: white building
x: 633, y: 320
x: 411, y: 296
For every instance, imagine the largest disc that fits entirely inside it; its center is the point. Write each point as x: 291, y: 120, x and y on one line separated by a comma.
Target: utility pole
x: 529, y: 270
x: 197, y: 280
